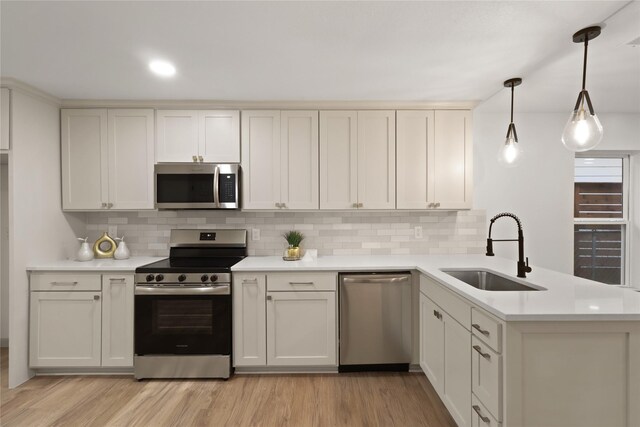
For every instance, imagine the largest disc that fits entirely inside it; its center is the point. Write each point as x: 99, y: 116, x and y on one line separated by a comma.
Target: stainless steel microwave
x: 197, y: 186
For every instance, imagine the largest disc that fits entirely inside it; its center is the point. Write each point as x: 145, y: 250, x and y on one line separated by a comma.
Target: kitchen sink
x: 488, y: 281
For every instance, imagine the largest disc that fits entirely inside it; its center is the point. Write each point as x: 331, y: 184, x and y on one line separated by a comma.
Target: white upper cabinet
x: 85, y: 163
x: 434, y: 159
x: 5, y: 113
x: 338, y: 159
x: 280, y: 159
x: 376, y: 159
x: 176, y: 135
x: 299, y: 159
x: 198, y: 135
x: 357, y: 159
x: 107, y: 159
x: 130, y: 159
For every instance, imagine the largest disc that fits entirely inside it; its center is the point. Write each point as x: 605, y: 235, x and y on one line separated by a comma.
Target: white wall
x: 38, y: 230
x: 4, y: 253
x: 540, y: 189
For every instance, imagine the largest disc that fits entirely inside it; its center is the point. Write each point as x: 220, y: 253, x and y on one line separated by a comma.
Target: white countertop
x: 94, y: 265
x: 566, y: 297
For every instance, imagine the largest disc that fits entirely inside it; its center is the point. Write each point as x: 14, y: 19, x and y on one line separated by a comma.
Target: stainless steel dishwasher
x: 375, y: 321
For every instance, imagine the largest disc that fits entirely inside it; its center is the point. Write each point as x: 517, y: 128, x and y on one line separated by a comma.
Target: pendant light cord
x: 512, y: 102
x: 584, y: 64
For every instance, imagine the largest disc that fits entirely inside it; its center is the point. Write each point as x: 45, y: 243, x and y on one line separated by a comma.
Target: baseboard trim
x: 286, y: 370
x: 83, y: 371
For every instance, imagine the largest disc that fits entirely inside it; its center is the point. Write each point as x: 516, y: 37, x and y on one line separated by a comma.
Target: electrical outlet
x: 417, y: 230
x: 255, y: 234
x: 113, y: 231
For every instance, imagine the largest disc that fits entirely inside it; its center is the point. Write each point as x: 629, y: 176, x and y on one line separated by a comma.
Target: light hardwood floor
x: 371, y: 399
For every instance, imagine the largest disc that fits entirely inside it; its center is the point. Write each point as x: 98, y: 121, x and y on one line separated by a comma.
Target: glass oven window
x: 173, y: 316
x: 184, y: 188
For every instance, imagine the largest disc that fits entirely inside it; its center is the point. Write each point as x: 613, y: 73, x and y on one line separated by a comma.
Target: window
x: 600, y: 225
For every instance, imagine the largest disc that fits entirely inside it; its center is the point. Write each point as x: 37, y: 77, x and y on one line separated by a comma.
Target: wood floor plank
x: 350, y: 399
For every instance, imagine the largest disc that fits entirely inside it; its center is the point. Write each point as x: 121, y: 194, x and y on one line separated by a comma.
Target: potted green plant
x: 294, y: 238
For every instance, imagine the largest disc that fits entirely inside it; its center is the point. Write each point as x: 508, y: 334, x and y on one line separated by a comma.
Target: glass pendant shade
x: 510, y: 154
x: 583, y: 131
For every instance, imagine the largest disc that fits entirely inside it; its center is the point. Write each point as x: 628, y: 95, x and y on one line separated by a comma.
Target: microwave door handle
x: 216, y: 186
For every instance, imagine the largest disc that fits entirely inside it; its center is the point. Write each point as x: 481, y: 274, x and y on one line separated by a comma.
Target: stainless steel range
x: 183, y: 306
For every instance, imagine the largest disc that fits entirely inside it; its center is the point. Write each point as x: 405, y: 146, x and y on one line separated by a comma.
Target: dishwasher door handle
x: 378, y: 279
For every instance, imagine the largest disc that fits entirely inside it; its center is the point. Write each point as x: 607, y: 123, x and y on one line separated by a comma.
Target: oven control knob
x: 150, y: 277
x: 159, y: 278
x: 182, y: 278
x: 214, y: 278
x: 204, y: 278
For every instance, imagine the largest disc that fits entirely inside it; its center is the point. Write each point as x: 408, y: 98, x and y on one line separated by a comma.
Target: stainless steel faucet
x: 523, y: 267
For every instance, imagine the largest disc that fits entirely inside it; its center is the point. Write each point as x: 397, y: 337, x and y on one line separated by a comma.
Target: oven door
x: 169, y: 323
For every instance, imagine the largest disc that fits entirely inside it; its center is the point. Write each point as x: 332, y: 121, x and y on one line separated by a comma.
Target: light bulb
x: 582, y: 132
x: 162, y: 68
x: 510, y: 153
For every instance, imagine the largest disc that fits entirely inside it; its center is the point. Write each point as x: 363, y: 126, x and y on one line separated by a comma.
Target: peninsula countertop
x: 564, y: 298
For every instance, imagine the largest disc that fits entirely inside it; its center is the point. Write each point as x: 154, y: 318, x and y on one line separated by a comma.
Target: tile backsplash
x: 330, y: 232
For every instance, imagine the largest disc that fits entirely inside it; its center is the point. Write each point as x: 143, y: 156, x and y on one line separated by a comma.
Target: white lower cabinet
x: 80, y: 320
x: 117, y: 320
x: 249, y: 320
x: 284, y: 319
x: 301, y: 328
x: 65, y: 329
x: 445, y: 358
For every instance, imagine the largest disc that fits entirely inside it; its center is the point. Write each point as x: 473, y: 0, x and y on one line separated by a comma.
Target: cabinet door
x: 249, y: 320
x: 64, y: 329
x: 457, y: 371
x: 301, y: 329
x: 377, y: 159
x: 431, y: 343
x: 131, y: 159
x: 176, y: 135
x: 299, y: 154
x: 84, y: 159
x: 261, y: 159
x: 219, y: 140
x: 338, y: 159
x: 450, y: 163
x: 414, y: 132
x: 5, y: 114
x: 117, y: 320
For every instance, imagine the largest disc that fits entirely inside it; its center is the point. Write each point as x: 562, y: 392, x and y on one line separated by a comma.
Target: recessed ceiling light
x: 162, y: 68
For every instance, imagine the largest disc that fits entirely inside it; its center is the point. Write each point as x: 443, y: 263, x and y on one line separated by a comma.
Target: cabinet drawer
x: 486, y: 373
x: 302, y: 282
x: 65, y: 282
x: 453, y: 305
x: 487, y: 329
x: 480, y: 416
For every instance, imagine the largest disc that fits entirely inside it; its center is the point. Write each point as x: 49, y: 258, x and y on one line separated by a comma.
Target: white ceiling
x: 400, y: 51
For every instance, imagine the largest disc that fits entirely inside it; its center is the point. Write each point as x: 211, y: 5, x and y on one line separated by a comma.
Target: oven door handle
x: 209, y: 290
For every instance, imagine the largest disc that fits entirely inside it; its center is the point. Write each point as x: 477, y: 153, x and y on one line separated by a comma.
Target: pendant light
x: 510, y: 153
x: 583, y: 130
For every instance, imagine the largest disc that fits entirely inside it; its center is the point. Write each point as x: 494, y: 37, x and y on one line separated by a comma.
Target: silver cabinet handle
x: 355, y: 205
x: 250, y: 280
x: 200, y: 159
x: 361, y: 205
x: 278, y: 205
x: 430, y: 205
x: 64, y: 283
x: 96, y: 297
x: 283, y: 205
x: 479, y: 329
x: 479, y: 350
x: 117, y: 279
x: 482, y: 417
x: 109, y: 205
x: 104, y: 205
x: 301, y: 283
x: 195, y: 158
x: 269, y: 298
x: 437, y: 314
